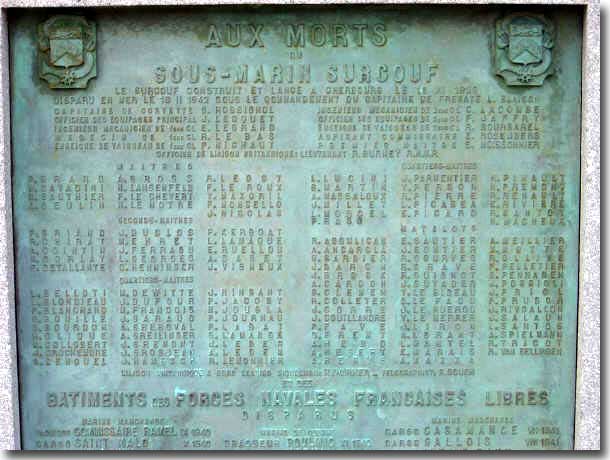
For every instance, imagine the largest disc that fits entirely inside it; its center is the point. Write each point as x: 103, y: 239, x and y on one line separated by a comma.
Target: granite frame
x: 587, y: 415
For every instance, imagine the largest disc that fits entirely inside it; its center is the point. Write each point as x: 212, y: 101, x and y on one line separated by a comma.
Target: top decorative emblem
x: 67, y: 52
x: 524, y: 49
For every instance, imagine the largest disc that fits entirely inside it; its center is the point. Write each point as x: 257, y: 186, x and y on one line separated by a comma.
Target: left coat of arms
x: 67, y: 52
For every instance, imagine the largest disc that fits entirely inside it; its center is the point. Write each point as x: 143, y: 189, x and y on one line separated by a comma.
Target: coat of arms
x: 67, y: 53
x: 524, y: 49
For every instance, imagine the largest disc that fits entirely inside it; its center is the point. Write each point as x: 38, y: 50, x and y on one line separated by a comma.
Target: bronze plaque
x: 297, y: 228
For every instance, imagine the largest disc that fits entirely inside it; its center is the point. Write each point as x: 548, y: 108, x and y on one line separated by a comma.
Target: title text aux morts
x: 296, y: 37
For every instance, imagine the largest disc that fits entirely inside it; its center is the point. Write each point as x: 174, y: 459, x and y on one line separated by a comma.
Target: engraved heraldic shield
x: 525, y: 43
x: 66, y: 47
x: 67, y: 52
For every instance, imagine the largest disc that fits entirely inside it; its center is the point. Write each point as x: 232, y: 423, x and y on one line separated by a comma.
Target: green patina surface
x: 290, y: 228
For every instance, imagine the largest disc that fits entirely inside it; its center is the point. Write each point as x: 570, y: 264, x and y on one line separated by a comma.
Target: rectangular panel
x: 284, y: 228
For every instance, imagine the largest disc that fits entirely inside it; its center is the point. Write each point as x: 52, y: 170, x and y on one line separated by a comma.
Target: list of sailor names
x: 296, y: 231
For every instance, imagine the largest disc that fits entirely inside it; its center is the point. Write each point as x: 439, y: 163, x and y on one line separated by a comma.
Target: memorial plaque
x: 297, y: 228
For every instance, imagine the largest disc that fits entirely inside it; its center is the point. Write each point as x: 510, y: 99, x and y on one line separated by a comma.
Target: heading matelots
x: 251, y: 35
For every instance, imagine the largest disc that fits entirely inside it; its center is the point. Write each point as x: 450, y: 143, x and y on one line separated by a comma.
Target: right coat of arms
x: 524, y: 49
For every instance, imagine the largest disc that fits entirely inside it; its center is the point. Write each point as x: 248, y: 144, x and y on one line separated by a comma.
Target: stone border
x: 588, y: 361
x: 9, y: 391
x: 587, y: 415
